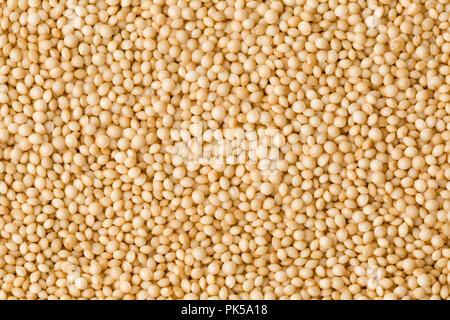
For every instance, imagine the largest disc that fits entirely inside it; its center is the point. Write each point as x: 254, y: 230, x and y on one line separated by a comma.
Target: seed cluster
x: 94, y: 203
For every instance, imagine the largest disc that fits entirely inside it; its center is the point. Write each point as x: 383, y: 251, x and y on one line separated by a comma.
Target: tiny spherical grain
x: 239, y: 149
